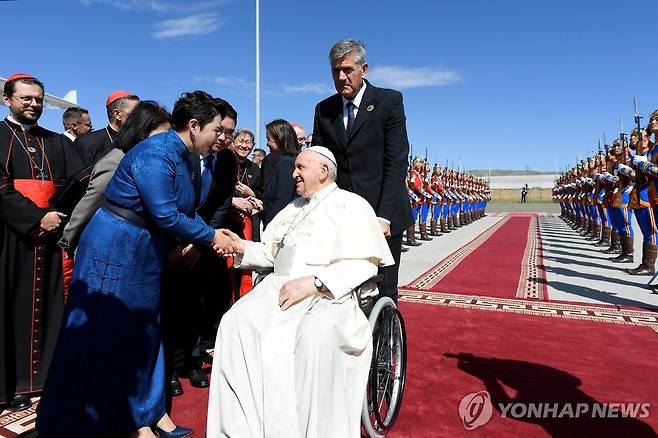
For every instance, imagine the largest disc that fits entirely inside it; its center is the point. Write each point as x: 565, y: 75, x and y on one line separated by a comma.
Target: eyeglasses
x: 88, y: 125
x: 26, y: 100
x: 228, y: 133
x: 301, y: 140
x: 244, y: 140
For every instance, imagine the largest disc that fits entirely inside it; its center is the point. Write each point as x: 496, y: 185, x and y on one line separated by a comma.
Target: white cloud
x: 156, y: 5
x: 224, y: 80
x: 199, y: 24
x: 402, y: 77
x: 131, y: 5
x: 317, y: 88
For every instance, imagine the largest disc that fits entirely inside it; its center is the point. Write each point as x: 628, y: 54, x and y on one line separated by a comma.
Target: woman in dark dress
x: 277, y: 168
x: 107, y: 376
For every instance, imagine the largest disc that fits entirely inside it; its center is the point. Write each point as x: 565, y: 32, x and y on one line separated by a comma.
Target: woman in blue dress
x: 107, y: 377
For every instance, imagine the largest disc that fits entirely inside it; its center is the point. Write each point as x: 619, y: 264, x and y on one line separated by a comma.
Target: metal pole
x: 258, y: 139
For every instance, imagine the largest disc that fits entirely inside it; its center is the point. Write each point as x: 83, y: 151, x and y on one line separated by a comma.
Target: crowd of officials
x: 113, y: 268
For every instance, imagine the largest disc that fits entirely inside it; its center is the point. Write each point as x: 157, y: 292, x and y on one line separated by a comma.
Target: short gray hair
x: 342, y: 48
x: 245, y: 131
x: 331, y: 166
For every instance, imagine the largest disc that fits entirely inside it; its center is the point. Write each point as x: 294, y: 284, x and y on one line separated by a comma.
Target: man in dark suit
x: 365, y: 127
x: 195, y: 287
x: 95, y: 145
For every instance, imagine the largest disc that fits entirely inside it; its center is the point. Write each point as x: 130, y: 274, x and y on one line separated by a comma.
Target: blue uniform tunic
x: 107, y: 374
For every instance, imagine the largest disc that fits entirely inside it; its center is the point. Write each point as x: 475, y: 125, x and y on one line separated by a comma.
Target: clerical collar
x: 357, y: 99
x: 16, y: 123
x: 322, y: 193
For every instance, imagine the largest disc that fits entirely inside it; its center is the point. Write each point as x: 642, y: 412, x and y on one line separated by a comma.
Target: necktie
x: 206, y: 176
x: 350, y: 117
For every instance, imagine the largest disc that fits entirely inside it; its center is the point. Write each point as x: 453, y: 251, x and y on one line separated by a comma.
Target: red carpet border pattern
x: 14, y: 424
x: 555, y: 310
x: 532, y: 282
x: 443, y: 268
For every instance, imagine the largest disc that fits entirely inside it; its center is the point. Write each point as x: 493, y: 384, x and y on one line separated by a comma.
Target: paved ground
x: 576, y: 270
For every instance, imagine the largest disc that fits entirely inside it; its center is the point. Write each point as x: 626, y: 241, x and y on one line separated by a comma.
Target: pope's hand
x: 293, y: 291
x: 231, y: 244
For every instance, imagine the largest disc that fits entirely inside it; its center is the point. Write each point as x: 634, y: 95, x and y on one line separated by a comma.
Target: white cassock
x: 301, y: 372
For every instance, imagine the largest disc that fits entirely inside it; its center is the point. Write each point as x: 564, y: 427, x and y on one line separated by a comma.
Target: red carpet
x: 525, y: 358
x: 518, y: 351
x: 499, y: 264
x: 191, y: 408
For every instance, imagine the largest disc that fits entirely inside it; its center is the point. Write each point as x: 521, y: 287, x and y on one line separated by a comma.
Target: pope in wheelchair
x: 292, y: 357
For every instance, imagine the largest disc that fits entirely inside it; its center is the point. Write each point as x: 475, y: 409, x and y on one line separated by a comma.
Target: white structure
x: 70, y: 99
x: 518, y: 181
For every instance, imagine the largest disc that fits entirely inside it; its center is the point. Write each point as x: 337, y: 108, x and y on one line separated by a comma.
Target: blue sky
x: 506, y: 83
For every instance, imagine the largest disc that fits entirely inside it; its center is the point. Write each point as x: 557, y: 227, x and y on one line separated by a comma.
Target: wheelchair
x: 387, y: 376
x: 388, y: 367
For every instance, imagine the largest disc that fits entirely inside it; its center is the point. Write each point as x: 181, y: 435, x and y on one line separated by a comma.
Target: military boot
x: 615, y: 243
x: 452, y: 222
x: 434, y: 229
x: 606, y: 233
x: 423, y: 231
x: 596, y: 233
x: 444, y: 226
x: 411, y: 239
x: 587, y: 231
x: 626, y: 255
x: 648, y: 265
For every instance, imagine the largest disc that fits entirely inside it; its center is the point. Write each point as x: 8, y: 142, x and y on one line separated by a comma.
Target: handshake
x: 226, y: 243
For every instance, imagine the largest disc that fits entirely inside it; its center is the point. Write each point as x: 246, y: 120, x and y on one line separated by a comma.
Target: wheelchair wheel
x: 387, y: 369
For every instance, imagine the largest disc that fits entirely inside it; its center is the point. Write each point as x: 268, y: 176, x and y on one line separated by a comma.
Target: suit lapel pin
x: 370, y: 108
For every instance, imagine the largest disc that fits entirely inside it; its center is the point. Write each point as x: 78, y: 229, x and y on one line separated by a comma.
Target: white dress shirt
x: 357, y: 103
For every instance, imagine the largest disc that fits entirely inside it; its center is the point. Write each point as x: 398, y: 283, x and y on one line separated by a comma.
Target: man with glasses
x: 301, y: 134
x: 257, y: 156
x: 97, y: 144
x: 76, y: 122
x: 33, y: 163
x: 194, y: 270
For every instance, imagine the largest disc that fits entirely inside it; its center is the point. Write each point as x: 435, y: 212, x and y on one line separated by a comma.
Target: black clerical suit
x: 93, y: 146
x: 372, y: 160
x: 33, y: 164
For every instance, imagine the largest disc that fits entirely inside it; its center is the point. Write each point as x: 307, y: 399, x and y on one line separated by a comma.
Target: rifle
x: 622, y: 137
x: 637, y: 118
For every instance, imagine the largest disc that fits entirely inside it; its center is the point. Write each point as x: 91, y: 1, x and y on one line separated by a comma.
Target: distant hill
x: 507, y: 172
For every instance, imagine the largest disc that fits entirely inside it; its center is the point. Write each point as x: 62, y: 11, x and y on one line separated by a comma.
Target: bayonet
x: 637, y: 115
x: 639, y: 148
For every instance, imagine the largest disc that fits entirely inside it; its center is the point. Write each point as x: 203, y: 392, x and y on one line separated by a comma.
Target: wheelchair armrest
x: 261, y: 274
x: 367, y: 293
